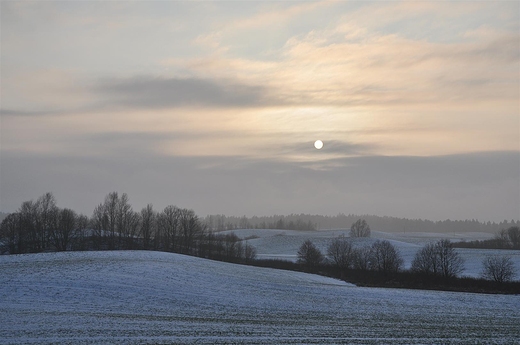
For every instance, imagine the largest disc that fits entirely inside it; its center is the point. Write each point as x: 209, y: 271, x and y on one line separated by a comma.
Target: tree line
x: 41, y: 226
x: 221, y: 222
x: 505, y: 239
x: 436, y: 260
x: 342, y: 221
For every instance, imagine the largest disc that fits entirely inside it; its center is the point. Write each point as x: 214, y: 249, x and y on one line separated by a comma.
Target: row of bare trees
x: 439, y: 258
x: 115, y: 225
x: 41, y: 226
x: 505, y: 239
x: 381, y: 256
x: 436, y: 259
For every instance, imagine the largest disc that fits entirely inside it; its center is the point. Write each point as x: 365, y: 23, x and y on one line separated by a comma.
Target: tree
x: 191, y: 230
x: 81, y: 237
x: 46, y: 219
x: 514, y: 236
x: 232, y: 247
x: 249, y: 253
x: 384, y: 257
x: 498, y: 268
x: 438, y: 258
x: 63, y: 234
x: 426, y: 260
x: 168, y: 226
x: 148, y: 224
x: 361, y: 258
x: 360, y: 229
x: 309, y: 255
x: 340, y: 252
x: 124, y: 220
x: 10, y: 234
x: 28, y: 233
x: 451, y: 264
x: 105, y: 220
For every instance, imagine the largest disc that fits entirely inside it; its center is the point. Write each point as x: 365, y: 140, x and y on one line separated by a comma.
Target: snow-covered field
x: 284, y: 244
x: 138, y: 297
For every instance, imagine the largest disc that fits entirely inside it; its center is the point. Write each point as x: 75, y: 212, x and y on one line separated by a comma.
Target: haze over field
x: 216, y: 106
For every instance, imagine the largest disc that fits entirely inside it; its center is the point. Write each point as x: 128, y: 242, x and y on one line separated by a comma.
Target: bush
x: 498, y: 268
x: 309, y: 256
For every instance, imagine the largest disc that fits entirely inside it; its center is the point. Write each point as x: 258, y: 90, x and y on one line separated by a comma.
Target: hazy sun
x: 318, y: 144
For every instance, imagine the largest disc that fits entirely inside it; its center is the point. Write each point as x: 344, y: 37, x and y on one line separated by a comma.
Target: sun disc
x: 318, y: 144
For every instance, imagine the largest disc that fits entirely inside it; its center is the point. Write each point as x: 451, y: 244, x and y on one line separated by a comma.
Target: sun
x: 318, y: 144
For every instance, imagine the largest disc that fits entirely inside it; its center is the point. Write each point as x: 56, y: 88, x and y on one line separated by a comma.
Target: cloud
x: 324, y: 158
x: 383, y: 54
x: 479, y: 185
x: 149, y: 92
x: 12, y: 112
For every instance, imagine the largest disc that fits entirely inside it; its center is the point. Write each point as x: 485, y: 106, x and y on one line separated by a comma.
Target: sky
x: 215, y: 106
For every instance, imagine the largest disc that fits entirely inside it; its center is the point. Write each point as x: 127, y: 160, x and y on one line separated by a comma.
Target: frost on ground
x: 139, y: 297
x: 284, y: 244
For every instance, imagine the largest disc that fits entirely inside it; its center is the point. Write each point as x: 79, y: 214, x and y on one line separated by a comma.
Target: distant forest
x: 342, y: 221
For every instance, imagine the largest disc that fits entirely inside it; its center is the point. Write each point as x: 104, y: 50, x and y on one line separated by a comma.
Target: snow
x: 139, y: 297
x: 284, y: 244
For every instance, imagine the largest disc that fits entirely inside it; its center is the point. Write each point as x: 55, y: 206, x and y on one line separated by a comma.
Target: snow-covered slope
x: 284, y: 244
x: 139, y: 297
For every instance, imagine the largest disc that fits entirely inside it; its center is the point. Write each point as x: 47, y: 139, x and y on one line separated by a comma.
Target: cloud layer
x: 150, y: 93
x: 416, y: 102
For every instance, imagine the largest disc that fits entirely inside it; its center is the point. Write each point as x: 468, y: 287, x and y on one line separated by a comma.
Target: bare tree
x: 360, y: 229
x: 135, y: 228
x: 191, y: 231
x: 502, y: 237
x: 10, y: 233
x: 232, y: 247
x: 148, y: 222
x: 124, y: 220
x: 451, y: 262
x: 169, y: 224
x: 498, y: 268
x: 309, y: 255
x: 426, y: 260
x: 46, y: 219
x: 384, y: 257
x: 340, y: 251
x: 438, y: 258
x: 63, y: 234
x: 361, y: 258
x: 105, y: 220
x: 249, y: 253
x: 28, y: 238
x: 81, y: 236
x: 514, y: 236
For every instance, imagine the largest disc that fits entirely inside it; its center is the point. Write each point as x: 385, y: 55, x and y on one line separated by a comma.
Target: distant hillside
x: 342, y: 221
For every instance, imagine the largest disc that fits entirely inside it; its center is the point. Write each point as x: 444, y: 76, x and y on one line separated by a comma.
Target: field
x: 284, y: 244
x: 138, y: 297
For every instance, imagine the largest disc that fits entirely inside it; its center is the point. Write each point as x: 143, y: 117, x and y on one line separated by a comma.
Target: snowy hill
x: 284, y: 244
x: 138, y: 297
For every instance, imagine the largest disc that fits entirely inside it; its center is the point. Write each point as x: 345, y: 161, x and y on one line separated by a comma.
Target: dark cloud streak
x: 149, y: 92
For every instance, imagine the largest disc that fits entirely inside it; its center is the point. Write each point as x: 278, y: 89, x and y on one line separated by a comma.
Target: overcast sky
x: 215, y: 106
